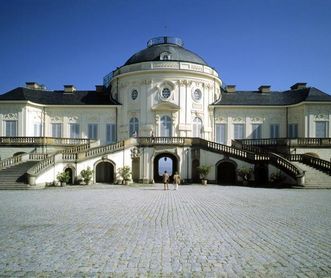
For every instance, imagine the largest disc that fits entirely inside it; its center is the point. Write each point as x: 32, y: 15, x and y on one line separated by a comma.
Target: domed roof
x: 160, y: 47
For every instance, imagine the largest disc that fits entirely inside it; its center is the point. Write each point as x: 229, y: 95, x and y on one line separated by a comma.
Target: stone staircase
x: 14, y: 177
x: 313, y: 177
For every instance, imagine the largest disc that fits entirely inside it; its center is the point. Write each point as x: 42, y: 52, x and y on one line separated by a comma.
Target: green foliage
x: 125, y: 173
x: 203, y: 171
x: 245, y: 173
x: 277, y: 178
x: 63, y: 177
x: 87, y: 175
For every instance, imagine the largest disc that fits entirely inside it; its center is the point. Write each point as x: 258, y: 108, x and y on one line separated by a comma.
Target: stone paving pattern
x: 196, y: 231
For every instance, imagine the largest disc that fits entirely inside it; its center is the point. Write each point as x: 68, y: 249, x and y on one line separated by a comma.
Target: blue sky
x: 250, y: 43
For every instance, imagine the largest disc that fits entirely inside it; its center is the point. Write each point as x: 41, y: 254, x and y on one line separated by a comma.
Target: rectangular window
x: 274, y: 131
x: 93, y: 131
x: 10, y: 128
x: 293, y: 130
x: 57, y: 130
x: 110, y: 133
x: 321, y: 129
x: 37, y: 129
x: 239, y: 131
x: 256, y: 131
x: 74, y: 131
x: 221, y: 133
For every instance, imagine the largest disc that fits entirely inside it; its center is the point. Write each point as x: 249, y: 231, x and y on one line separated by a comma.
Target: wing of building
x: 161, y: 96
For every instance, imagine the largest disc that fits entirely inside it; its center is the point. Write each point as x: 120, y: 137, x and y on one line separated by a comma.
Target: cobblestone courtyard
x: 197, y: 231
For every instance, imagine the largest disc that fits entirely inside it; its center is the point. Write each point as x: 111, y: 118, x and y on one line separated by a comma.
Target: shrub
x: 87, y: 175
x: 277, y: 178
x: 125, y: 173
x: 245, y: 173
x: 63, y: 177
x: 203, y: 171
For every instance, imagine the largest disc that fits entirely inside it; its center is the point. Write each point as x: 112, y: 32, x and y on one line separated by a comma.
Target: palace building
x: 165, y: 108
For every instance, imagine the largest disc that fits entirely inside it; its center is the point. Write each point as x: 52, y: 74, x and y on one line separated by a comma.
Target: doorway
x: 226, y: 172
x: 104, y: 172
x: 164, y: 162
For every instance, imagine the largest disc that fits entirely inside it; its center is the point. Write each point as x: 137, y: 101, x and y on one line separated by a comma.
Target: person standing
x: 176, y: 180
x: 165, y: 178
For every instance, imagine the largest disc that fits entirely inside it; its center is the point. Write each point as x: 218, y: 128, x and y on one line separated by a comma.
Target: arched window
x: 133, y: 127
x: 197, y: 127
x: 165, y: 126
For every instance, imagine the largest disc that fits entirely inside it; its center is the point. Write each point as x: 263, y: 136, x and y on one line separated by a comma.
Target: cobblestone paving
x: 196, y: 231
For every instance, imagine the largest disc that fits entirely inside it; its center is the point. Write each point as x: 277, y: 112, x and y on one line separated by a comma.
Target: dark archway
x: 261, y: 174
x: 164, y: 161
x: 226, y: 172
x: 104, y: 172
x: 195, y: 173
x: 70, y: 173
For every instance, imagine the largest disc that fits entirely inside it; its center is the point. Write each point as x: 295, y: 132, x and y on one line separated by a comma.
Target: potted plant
x: 245, y: 173
x: 125, y: 174
x: 63, y: 178
x: 277, y: 178
x: 87, y: 175
x: 203, y: 172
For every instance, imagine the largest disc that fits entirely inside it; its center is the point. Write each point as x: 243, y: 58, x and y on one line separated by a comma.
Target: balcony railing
x: 290, y: 142
x: 40, y: 141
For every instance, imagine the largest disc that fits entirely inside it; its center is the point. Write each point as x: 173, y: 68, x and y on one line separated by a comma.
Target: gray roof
x: 272, y: 98
x: 59, y: 97
x: 153, y: 53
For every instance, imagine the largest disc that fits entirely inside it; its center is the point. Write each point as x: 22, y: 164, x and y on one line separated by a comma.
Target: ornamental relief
x: 220, y: 119
x: 257, y: 120
x: 10, y: 116
x: 321, y: 116
x: 73, y: 118
x: 238, y: 119
x: 56, y: 119
x: 185, y: 82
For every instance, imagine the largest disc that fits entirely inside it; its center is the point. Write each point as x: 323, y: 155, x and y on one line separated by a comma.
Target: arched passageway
x: 164, y: 162
x: 104, y: 172
x: 261, y: 174
x: 195, y: 172
x: 71, y: 176
x: 226, y: 172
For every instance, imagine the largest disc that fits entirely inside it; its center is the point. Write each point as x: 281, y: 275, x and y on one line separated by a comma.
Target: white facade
x: 174, y: 94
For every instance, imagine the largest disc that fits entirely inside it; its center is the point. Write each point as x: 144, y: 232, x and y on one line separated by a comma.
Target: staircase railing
x: 277, y: 160
x: 317, y: 163
x: 10, y: 161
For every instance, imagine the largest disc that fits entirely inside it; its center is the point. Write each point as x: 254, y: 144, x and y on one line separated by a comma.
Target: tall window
x: 293, y: 130
x: 93, y: 131
x: 274, y: 131
x: 221, y: 133
x: 74, y: 130
x: 197, y: 127
x: 133, y: 127
x: 10, y: 128
x: 165, y: 126
x: 239, y: 131
x: 37, y: 129
x: 256, y: 131
x: 110, y: 133
x: 321, y: 129
x: 57, y: 130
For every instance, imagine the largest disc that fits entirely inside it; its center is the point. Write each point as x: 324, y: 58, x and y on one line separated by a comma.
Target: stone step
x: 313, y: 177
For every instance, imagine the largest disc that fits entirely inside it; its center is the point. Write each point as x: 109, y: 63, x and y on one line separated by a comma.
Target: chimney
x: 230, y: 88
x: 69, y: 88
x: 99, y: 88
x: 264, y: 89
x: 33, y: 85
x: 298, y: 86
